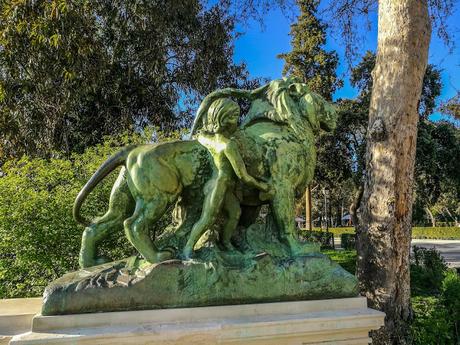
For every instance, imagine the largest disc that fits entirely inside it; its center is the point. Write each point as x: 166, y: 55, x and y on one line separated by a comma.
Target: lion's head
x: 319, y: 112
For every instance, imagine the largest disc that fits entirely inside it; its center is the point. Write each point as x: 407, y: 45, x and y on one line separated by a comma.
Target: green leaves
x: 40, y: 241
x: 308, y: 60
x: 437, y: 318
x: 432, y: 324
x: 74, y: 71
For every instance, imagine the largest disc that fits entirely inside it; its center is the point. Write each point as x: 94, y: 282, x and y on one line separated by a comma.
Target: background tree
x: 311, y: 63
x: 452, y: 107
x: 308, y: 59
x: 71, y: 72
x: 437, y: 187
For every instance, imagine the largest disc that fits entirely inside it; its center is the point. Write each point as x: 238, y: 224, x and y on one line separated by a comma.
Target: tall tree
x: 308, y: 59
x: 74, y: 71
x: 385, y: 211
x: 311, y: 63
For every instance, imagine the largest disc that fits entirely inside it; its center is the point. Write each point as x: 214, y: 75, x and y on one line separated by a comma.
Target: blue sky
x: 259, y: 46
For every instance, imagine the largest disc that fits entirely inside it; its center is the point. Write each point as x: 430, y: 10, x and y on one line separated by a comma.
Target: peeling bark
x: 384, y: 214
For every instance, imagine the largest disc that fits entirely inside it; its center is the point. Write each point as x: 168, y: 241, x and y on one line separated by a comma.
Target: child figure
x: 219, y: 122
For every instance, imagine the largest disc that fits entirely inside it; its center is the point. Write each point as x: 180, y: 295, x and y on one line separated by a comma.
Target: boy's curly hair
x: 218, y: 111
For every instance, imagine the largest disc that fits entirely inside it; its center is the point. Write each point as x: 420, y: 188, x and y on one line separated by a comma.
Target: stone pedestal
x: 16, y: 316
x: 335, y: 321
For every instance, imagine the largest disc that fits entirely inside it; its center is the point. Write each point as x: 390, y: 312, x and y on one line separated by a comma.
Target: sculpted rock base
x: 175, y: 283
x: 212, y: 278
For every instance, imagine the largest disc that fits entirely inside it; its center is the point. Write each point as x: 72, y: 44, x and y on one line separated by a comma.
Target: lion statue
x: 277, y: 141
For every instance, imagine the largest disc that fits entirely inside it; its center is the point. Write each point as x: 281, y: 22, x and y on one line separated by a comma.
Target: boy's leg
x: 233, y: 210
x: 211, y: 208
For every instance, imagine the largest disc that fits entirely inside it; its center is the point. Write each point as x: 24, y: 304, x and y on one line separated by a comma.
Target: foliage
x: 432, y: 323
x: 40, y: 239
x: 347, y: 145
x: 437, y: 317
x: 436, y: 314
x: 441, y: 233
x: 452, y: 107
x: 339, y: 231
x: 450, y: 297
x: 348, y: 241
x: 431, y: 90
x: 437, y: 179
x: 437, y: 157
x: 74, y: 71
x: 308, y: 60
x: 346, y: 16
x: 326, y: 239
x: 427, y: 271
x: 346, y: 259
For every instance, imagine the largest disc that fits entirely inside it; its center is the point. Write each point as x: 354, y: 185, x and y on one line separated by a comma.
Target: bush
x: 427, y: 271
x: 437, y: 303
x: 431, y: 323
x: 348, y: 241
x: 40, y: 241
x: 437, y: 318
x: 326, y: 239
x: 450, y: 297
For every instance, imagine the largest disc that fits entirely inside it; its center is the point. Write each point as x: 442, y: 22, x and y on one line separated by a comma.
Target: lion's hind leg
x: 283, y: 206
x: 137, y: 227
x: 121, y: 205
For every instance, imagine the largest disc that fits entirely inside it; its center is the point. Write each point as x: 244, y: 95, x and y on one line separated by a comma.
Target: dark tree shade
x: 74, y: 71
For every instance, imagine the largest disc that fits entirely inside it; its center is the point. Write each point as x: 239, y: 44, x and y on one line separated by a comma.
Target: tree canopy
x: 72, y: 72
x: 308, y: 59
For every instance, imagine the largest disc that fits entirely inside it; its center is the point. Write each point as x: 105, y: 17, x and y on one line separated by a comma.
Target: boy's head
x: 222, y: 115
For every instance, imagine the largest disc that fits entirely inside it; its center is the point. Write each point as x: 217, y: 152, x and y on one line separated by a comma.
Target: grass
x: 345, y: 258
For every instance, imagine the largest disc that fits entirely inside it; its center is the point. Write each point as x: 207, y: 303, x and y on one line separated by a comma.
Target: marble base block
x: 325, y: 322
x: 16, y: 316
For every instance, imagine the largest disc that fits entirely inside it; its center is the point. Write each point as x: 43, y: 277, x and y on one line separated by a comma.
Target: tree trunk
x: 430, y: 215
x: 385, y: 212
x: 355, y: 204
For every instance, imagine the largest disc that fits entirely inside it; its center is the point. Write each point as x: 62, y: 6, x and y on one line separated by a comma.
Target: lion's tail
x: 106, y: 168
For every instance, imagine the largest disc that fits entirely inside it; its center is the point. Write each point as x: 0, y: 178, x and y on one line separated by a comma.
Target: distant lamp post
x: 308, y: 219
x: 326, y: 216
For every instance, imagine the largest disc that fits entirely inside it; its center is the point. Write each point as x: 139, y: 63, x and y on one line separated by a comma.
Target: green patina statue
x: 219, y: 124
x: 217, y: 184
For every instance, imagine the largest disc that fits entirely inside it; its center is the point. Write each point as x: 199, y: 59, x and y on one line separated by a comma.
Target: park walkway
x: 449, y: 249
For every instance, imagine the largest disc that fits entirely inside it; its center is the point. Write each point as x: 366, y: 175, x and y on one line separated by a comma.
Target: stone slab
x: 16, y: 316
x: 336, y: 321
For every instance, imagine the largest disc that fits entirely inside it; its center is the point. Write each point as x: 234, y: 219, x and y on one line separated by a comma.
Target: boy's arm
x: 235, y: 159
